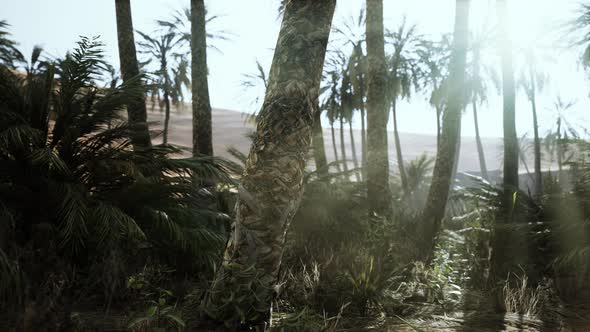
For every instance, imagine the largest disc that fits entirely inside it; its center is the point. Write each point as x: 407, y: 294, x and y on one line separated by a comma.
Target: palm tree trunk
x: 537, y: 140
x: 398, y: 149
x: 335, y: 149
x: 457, y: 157
x: 378, y: 191
x: 343, y: 146
x: 509, y: 96
x: 319, y: 149
x: 136, y: 110
x: 482, y: 159
x: 202, y: 128
x: 443, y: 168
x: 272, y: 183
x: 438, y: 124
x: 167, y: 114
x: 355, y: 160
x: 363, y: 142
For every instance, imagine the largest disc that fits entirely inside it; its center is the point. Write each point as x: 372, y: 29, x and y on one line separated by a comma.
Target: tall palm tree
x: 511, y: 160
x: 331, y: 105
x: 272, y: 182
x: 378, y: 190
x: 532, y: 81
x: 347, y: 114
x: 202, y: 128
x: 480, y: 77
x: 443, y: 168
x: 162, y: 48
x: 434, y: 57
x: 136, y: 110
x: 404, y: 76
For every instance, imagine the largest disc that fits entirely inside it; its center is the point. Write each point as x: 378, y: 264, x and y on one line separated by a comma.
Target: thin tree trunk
x: 482, y: 159
x: 167, y: 114
x: 398, y: 149
x: 457, y: 157
x: 508, y: 250
x: 509, y: 96
x: 202, y: 127
x: 378, y: 191
x: 560, y: 151
x: 136, y: 110
x: 363, y: 142
x: 335, y: 149
x: 355, y: 160
x: 319, y: 149
x: 272, y: 183
x: 443, y: 168
x: 537, y: 140
x: 343, y: 145
x: 438, y: 125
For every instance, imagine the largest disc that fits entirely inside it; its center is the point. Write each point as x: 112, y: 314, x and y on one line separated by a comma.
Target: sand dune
x: 231, y: 129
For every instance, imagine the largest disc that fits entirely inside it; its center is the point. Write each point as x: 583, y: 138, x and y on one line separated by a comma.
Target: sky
x: 254, y: 25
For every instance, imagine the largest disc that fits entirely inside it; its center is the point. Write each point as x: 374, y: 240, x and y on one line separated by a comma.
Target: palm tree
x: 347, y: 114
x: 162, y: 49
x: 479, y: 76
x: 202, y: 128
x: 331, y: 105
x: 511, y: 160
x: 9, y: 53
x: 443, y: 168
x: 531, y: 80
x: 272, y: 182
x: 191, y: 25
x: 559, y: 136
x: 136, y: 110
x: 434, y: 57
x: 378, y: 191
x: 353, y: 33
x: 404, y: 76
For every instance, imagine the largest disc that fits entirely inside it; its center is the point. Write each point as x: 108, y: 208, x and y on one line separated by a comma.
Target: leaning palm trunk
x: 538, y: 189
x: 355, y: 160
x: 443, y: 168
x: 319, y: 149
x: 272, y: 183
x: 398, y: 149
x: 378, y: 191
x: 482, y: 159
x: 343, y: 146
x: 202, y: 131
x: 136, y: 110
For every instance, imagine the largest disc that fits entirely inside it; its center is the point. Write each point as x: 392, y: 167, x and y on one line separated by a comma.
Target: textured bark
x: 202, y: 131
x: 136, y: 110
x: 456, y: 159
x: 537, y: 140
x: 355, y: 160
x: 443, y: 168
x: 319, y: 149
x: 398, y: 150
x: 509, y: 105
x: 272, y: 183
x: 378, y: 191
x: 482, y: 159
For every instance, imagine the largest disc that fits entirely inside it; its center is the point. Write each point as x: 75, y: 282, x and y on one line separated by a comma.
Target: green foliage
x: 159, y: 316
x: 73, y: 191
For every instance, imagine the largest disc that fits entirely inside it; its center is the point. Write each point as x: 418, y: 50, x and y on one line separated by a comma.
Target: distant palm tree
x: 511, y: 160
x: 559, y: 137
x: 331, y: 105
x: 191, y: 25
x: 443, y: 169
x: 378, y: 190
x: 532, y: 81
x: 272, y: 183
x: 480, y: 77
x: 162, y: 48
x: 434, y: 57
x: 404, y: 77
x: 136, y: 110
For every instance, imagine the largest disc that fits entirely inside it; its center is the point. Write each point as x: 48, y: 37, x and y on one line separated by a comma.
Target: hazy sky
x: 56, y: 25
